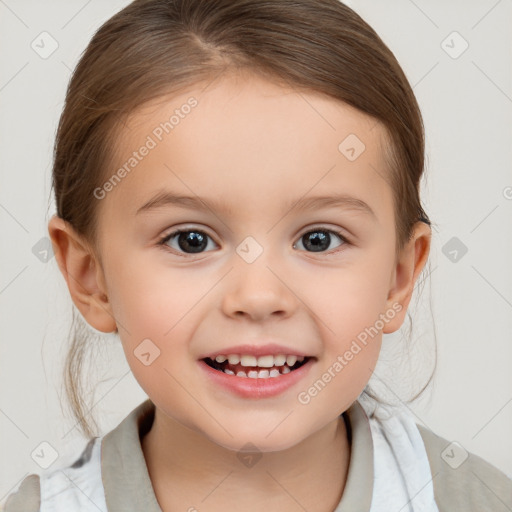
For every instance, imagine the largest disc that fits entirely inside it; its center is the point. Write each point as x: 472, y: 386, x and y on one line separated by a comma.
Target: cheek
x: 348, y: 303
x: 145, y: 311
x: 150, y: 299
x: 347, y: 299
x: 155, y: 308
x: 352, y: 337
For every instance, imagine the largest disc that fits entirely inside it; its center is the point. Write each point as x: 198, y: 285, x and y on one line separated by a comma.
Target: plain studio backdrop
x: 457, y: 56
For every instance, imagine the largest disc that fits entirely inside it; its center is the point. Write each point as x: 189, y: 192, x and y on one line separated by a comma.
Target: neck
x: 187, y: 469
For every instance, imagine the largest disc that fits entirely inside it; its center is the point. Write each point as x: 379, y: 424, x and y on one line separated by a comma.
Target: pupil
x: 317, y: 240
x: 192, y: 241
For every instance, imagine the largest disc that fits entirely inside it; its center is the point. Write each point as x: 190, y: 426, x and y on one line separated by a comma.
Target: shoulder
x: 463, y: 480
x: 27, y: 498
x: 61, y: 488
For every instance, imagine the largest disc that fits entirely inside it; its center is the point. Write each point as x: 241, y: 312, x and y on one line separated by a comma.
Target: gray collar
x: 128, y: 487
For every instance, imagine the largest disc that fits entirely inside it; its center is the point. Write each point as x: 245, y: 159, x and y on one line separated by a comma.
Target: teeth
x: 279, y: 360
x: 277, y: 365
x: 233, y: 359
x: 263, y: 361
x: 248, y: 361
x: 262, y: 374
x: 291, y: 360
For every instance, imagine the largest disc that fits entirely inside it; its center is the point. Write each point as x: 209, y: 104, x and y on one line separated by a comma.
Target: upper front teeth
x: 263, y: 361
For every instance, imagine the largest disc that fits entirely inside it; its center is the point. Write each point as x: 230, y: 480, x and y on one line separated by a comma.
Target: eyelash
x: 162, y: 242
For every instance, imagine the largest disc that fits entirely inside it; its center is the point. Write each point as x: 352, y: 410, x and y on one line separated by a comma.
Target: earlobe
x: 410, y: 263
x: 83, y: 274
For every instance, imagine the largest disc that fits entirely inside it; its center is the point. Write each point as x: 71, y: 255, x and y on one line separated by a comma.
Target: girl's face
x: 260, y: 261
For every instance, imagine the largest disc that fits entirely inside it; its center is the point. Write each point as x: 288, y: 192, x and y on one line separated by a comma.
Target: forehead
x: 250, y: 140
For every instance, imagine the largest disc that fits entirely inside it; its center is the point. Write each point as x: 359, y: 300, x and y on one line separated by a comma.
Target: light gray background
x: 467, y: 106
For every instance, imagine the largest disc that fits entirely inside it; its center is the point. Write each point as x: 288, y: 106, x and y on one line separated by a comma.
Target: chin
x: 255, y: 443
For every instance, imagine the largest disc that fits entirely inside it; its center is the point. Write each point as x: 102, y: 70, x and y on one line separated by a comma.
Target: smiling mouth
x: 254, y: 372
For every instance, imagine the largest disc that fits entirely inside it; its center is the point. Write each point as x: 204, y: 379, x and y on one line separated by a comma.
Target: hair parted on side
x: 155, y: 48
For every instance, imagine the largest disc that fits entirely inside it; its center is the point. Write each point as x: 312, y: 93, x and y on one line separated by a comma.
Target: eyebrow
x: 166, y: 198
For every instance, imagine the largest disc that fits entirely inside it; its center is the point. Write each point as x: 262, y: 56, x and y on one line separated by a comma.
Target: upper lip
x: 256, y: 350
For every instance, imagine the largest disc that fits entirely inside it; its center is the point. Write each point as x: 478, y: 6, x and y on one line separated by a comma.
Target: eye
x: 193, y: 241
x: 319, y: 240
x: 189, y: 241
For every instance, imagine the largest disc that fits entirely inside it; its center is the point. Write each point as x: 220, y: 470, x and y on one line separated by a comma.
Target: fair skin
x: 256, y: 148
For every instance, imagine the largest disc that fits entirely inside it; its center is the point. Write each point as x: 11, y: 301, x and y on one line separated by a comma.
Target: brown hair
x: 153, y: 48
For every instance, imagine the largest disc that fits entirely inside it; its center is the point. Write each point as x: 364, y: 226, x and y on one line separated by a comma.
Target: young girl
x: 237, y: 191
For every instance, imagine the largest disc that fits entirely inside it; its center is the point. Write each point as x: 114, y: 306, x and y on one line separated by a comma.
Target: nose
x: 257, y: 292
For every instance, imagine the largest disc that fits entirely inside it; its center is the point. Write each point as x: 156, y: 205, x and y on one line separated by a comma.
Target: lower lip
x: 257, y: 388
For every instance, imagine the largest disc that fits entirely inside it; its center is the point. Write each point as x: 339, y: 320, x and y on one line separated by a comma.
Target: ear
x: 83, y: 274
x: 409, y: 264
